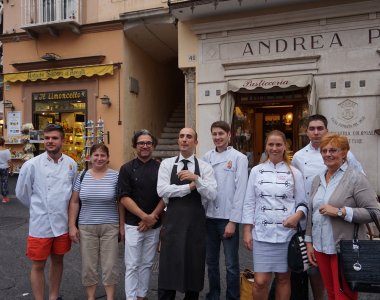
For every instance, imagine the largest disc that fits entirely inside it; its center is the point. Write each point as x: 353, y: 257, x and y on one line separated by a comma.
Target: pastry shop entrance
x: 257, y: 113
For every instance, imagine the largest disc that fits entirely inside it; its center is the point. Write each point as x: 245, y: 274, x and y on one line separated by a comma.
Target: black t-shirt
x: 138, y: 181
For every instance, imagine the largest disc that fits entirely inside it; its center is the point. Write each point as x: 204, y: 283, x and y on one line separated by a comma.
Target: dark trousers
x: 170, y: 295
x: 4, y: 182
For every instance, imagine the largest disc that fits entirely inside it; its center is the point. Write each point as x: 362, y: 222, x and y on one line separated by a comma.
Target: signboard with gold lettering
x: 76, y: 72
x: 60, y: 95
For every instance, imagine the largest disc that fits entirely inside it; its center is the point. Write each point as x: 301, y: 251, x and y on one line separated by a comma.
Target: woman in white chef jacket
x: 271, y: 214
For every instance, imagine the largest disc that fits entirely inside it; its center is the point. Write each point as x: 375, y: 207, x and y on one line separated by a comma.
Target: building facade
x: 260, y: 65
x: 98, y: 68
x: 265, y: 65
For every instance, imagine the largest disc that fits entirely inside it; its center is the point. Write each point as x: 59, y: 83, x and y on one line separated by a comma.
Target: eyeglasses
x: 148, y: 144
x: 331, y: 150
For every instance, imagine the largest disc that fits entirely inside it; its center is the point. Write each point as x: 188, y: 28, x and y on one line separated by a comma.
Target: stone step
x: 167, y: 141
x: 172, y: 129
x: 178, y: 114
x: 175, y: 124
x: 177, y: 119
x: 167, y: 147
x: 169, y: 135
x: 165, y: 154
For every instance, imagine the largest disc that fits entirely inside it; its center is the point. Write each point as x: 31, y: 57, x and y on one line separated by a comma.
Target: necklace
x: 328, y: 177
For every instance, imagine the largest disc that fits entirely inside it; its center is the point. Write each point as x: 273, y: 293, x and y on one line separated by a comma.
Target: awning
x: 77, y: 72
x: 228, y: 102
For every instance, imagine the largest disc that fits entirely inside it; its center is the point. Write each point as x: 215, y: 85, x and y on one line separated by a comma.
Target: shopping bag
x: 246, y: 285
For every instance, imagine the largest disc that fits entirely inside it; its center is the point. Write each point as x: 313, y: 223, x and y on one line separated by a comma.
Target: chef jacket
x: 45, y: 187
x: 272, y: 196
x: 310, y: 162
x: 231, y: 173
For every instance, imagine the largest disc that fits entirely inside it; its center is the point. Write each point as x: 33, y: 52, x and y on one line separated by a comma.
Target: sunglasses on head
x: 55, y: 126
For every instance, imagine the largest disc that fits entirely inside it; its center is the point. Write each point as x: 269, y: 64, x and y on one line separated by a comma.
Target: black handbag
x: 359, y: 262
x: 297, y: 253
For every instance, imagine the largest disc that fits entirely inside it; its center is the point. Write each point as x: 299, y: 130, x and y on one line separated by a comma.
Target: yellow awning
x: 76, y: 72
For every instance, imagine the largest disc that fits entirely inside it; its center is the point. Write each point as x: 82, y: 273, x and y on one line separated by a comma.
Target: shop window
x: 68, y: 109
x: 256, y: 114
x: 51, y: 9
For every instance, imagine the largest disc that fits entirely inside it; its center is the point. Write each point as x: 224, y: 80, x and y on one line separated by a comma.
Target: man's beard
x: 53, y: 152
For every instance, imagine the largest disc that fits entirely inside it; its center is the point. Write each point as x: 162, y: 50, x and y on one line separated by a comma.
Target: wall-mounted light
x: 134, y: 85
x: 288, y: 119
x: 50, y: 56
x: 106, y: 100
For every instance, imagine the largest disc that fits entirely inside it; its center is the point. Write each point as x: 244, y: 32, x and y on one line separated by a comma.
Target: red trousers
x: 328, y: 266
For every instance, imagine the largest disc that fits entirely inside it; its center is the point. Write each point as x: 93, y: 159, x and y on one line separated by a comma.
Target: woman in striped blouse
x: 98, y: 222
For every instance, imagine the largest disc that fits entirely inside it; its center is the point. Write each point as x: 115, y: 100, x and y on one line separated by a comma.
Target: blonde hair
x: 283, y: 137
x: 285, y: 155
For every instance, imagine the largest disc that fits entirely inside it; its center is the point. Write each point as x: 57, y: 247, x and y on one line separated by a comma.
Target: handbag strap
x: 82, y: 176
x: 374, y: 218
x: 304, y: 205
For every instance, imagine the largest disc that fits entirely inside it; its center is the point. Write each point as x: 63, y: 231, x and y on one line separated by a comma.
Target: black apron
x: 183, y: 241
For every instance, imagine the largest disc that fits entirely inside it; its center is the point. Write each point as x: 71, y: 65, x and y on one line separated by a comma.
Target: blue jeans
x: 215, y: 231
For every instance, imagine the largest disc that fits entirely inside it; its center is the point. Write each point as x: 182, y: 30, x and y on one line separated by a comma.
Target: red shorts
x: 41, y: 248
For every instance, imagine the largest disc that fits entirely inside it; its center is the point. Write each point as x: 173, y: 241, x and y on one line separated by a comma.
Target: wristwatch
x: 340, y: 212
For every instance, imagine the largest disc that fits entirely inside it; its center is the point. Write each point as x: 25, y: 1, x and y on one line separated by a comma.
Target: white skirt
x: 270, y: 257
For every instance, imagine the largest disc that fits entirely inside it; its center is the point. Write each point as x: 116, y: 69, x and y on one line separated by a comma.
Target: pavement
x: 15, y: 266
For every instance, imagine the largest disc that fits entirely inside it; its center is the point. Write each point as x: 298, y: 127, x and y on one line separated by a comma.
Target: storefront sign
x: 60, y: 95
x: 282, y: 45
x: 251, y: 83
x: 78, y: 72
x: 267, y: 83
x: 14, y: 123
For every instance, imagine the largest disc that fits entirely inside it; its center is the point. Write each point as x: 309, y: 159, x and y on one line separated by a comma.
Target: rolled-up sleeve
x: 206, y: 183
x: 164, y: 188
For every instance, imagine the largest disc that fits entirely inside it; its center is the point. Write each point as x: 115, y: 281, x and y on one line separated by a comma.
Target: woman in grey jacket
x: 338, y: 199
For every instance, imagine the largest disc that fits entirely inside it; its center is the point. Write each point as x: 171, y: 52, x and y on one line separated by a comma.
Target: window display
x: 256, y: 114
x: 68, y: 109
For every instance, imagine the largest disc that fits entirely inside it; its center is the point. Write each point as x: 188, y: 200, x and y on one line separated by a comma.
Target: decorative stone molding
x: 190, y: 100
